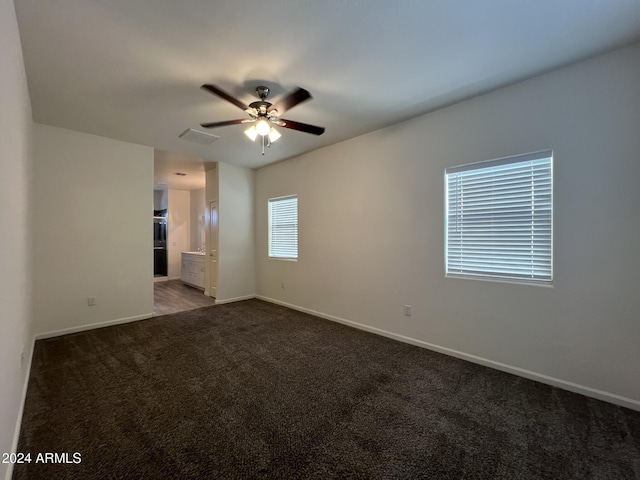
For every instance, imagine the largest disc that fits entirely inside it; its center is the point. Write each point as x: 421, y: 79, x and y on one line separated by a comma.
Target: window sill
x: 501, y: 280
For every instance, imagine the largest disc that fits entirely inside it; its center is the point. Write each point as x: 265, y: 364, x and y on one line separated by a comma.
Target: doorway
x: 180, y: 210
x: 213, y: 249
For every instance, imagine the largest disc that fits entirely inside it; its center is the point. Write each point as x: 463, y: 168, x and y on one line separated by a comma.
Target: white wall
x: 236, y: 237
x: 160, y: 199
x: 93, y: 200
x: 178, y: 230
x: 198, y: 213
x: 15, y: 254
x: 371, y: 230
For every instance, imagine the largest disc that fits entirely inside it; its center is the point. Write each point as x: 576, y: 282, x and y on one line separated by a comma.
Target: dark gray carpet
x: 254, y: 390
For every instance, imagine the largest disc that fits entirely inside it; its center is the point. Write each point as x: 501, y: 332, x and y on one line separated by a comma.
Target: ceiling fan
x: 265, y: 114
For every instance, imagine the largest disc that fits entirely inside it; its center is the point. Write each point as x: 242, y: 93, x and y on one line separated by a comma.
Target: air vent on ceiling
x: 195, y: 136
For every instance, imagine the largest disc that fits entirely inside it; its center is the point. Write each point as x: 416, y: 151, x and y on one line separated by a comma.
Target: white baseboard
x: 234, y: 299
x: 23, y: 398
x: 91, y: 326
x: 539, y: 377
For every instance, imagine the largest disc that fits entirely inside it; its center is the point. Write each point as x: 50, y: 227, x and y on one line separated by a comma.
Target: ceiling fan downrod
x: 263, y: 92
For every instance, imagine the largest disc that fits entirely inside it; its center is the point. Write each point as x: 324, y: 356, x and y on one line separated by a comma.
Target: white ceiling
x: 167, y: 164
x: 131, y: 69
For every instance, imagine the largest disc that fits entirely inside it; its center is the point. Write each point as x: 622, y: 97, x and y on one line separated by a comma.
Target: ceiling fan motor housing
x: 261, y: 107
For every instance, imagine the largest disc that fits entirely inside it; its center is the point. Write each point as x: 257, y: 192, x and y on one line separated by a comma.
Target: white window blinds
x: 499, y: 219
x: 283, y: 227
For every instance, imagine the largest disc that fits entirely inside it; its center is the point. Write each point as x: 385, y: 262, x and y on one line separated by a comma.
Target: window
x: 498, y: 222
x: 283, y: 227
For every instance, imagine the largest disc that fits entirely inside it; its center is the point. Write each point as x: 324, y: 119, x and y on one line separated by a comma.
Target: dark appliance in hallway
x: 160, y: 243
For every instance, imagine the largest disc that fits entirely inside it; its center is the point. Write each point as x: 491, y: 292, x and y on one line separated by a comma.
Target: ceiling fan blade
x: 223, y: 124
x: 222, y: 94
x: 294, y: 98
x: 301, y: 127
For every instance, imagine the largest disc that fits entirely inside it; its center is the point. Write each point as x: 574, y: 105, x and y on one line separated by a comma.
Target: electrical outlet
x: 91, y: 301
x: 407, y: 310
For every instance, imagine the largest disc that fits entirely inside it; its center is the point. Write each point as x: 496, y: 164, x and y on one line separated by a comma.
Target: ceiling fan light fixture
x: 262, y: 127
x: 251, y: 132
x: 274, y: 135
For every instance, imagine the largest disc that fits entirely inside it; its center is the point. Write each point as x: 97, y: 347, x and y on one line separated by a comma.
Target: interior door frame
x: 212, y: 253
